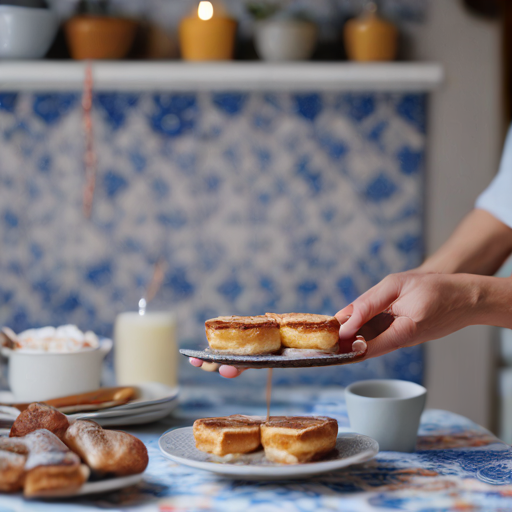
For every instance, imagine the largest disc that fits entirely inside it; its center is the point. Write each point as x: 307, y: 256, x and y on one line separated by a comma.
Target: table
x: 458, y: 466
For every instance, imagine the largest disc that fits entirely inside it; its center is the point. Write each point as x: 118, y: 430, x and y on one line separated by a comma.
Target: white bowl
x: 282, y: 40
x: 36, y: 376
x: 26, y: 32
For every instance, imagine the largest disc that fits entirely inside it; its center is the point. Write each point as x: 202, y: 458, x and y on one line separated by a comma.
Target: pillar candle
x: 207, y: 36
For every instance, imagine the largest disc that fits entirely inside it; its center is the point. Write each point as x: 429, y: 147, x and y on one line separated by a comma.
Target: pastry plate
x: 100, y: 486
x: 179, y: 446
x: 297, y: 360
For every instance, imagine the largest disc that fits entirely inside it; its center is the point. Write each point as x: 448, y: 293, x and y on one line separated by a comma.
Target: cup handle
x: 105, y: 346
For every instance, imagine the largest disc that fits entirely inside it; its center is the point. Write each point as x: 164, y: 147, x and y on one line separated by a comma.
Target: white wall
x: 466, y: 133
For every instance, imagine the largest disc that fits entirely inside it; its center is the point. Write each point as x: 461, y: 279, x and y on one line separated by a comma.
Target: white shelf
x: 161, y: 76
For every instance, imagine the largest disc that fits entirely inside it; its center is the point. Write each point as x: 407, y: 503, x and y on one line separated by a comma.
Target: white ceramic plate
x: 179, y: 446
x: 135, y: 419
x: 156, y: 401
x: 110, y: 484
x: 101, y: 486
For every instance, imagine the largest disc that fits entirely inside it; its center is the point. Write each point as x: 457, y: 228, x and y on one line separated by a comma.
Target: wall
x: 466, y: 134
x: 257, y: 202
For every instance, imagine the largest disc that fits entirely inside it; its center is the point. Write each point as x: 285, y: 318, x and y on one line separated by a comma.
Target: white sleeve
x: 497, y: 197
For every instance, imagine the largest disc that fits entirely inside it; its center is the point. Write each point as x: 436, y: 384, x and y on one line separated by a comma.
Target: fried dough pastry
x: 294, y: 440
x: 107, y: 451
x: 51, y: 468
x: 243, y: 335
x: 39, y: 416
x: 12, y: 471
x: 225, y: 435
x: 307, y: 331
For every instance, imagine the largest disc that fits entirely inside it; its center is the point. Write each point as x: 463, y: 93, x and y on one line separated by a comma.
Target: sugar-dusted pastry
x: 294, y: 440
x: 307, y: 331
x: 229, y: 434
x: 38, y: 416
x: 51, y: 468
x: 243, y: 335
x: 107, y: 451
x: 12, y: 471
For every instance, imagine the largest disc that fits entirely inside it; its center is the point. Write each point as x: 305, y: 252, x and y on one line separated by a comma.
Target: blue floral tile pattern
x: 257, y: 201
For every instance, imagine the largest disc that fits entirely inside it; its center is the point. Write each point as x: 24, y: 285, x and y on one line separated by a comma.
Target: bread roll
x: 294, y: 440
x: 12, y: 471
x: 243, y: 335
x: 39, y: 416
x: 225, y: 435
x: 307, y: 331
x: 107, y: 451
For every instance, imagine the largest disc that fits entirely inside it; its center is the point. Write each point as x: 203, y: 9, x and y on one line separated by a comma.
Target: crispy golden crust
x: 241, y: 323
x: 55, y: 480
x: 225, y: 435
x: 12, y: 471
x: 50, y: 466
x: 298, y: 439
x: 307, y: 322
x: 107, y: 451
x: 40, y: 416
x: 249, y: 335
x: 307, y: 331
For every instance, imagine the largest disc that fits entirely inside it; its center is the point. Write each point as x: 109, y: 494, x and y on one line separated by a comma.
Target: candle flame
x: 205, y: 10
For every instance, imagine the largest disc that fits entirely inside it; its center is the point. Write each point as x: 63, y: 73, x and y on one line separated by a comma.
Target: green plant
x: 262, y: 9
x: 101, y: 7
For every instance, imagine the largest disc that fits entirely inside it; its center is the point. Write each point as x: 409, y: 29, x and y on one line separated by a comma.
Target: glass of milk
x: 146, y: 348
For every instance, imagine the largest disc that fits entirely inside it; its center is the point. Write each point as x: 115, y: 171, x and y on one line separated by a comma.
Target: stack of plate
x: 155, y: 402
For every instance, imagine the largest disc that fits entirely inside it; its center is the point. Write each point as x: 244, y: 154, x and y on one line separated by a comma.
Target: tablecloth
x: 458, y: 466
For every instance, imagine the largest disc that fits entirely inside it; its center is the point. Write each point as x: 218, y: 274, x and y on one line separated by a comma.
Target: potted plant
x: 95, y: 33
x: 282, y: 34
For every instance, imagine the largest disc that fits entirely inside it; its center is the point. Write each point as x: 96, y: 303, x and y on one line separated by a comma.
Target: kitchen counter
x: 458, y: 465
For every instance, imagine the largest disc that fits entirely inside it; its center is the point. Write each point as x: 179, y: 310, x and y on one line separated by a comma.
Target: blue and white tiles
x: 257, y: 201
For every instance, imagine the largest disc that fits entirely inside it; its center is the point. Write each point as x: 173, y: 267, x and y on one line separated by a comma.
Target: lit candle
x: 207, y: 36
x: 146, y: 348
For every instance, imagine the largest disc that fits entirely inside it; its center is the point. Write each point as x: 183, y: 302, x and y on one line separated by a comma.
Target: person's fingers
x: 195, y: 362
x: 230, y: 372
x: 210, y: 367
x: 370, y: 304
x: 399, y: 334
x: 344, y: 314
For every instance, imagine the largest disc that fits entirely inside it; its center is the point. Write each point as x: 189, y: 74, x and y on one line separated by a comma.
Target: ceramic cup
x: 389, y: 411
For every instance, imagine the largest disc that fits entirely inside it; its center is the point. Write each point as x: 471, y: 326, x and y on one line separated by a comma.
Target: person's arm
x: 479, y: 245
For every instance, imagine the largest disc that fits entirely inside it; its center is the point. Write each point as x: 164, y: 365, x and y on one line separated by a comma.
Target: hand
x: 422, y: 307
x: 230, y: 372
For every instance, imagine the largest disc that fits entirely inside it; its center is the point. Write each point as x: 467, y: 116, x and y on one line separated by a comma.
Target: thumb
x: 371, y: 303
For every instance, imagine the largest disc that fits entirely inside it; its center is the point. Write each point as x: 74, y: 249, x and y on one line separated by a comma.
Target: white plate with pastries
x: 179, y: 445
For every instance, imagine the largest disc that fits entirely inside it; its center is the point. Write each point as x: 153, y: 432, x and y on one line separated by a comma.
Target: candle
x: 207, y: 35
x: 145, y: 348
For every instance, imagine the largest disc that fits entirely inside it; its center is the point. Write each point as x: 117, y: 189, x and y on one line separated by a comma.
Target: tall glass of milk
x: 146, y: 348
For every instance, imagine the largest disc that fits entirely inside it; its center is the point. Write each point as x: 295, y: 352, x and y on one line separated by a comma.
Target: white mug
x: 387, y: 410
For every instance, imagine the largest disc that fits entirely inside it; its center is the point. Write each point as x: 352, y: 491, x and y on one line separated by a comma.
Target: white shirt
x: 497, y: 197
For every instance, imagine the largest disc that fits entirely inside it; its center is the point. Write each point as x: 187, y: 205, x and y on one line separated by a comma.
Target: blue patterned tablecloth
x: 458, y: 466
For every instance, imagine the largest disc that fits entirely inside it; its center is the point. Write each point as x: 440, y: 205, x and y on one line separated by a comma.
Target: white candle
x: 146, y: 348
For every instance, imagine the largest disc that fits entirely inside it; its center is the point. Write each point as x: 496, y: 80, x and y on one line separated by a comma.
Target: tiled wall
x: 257, y: 201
